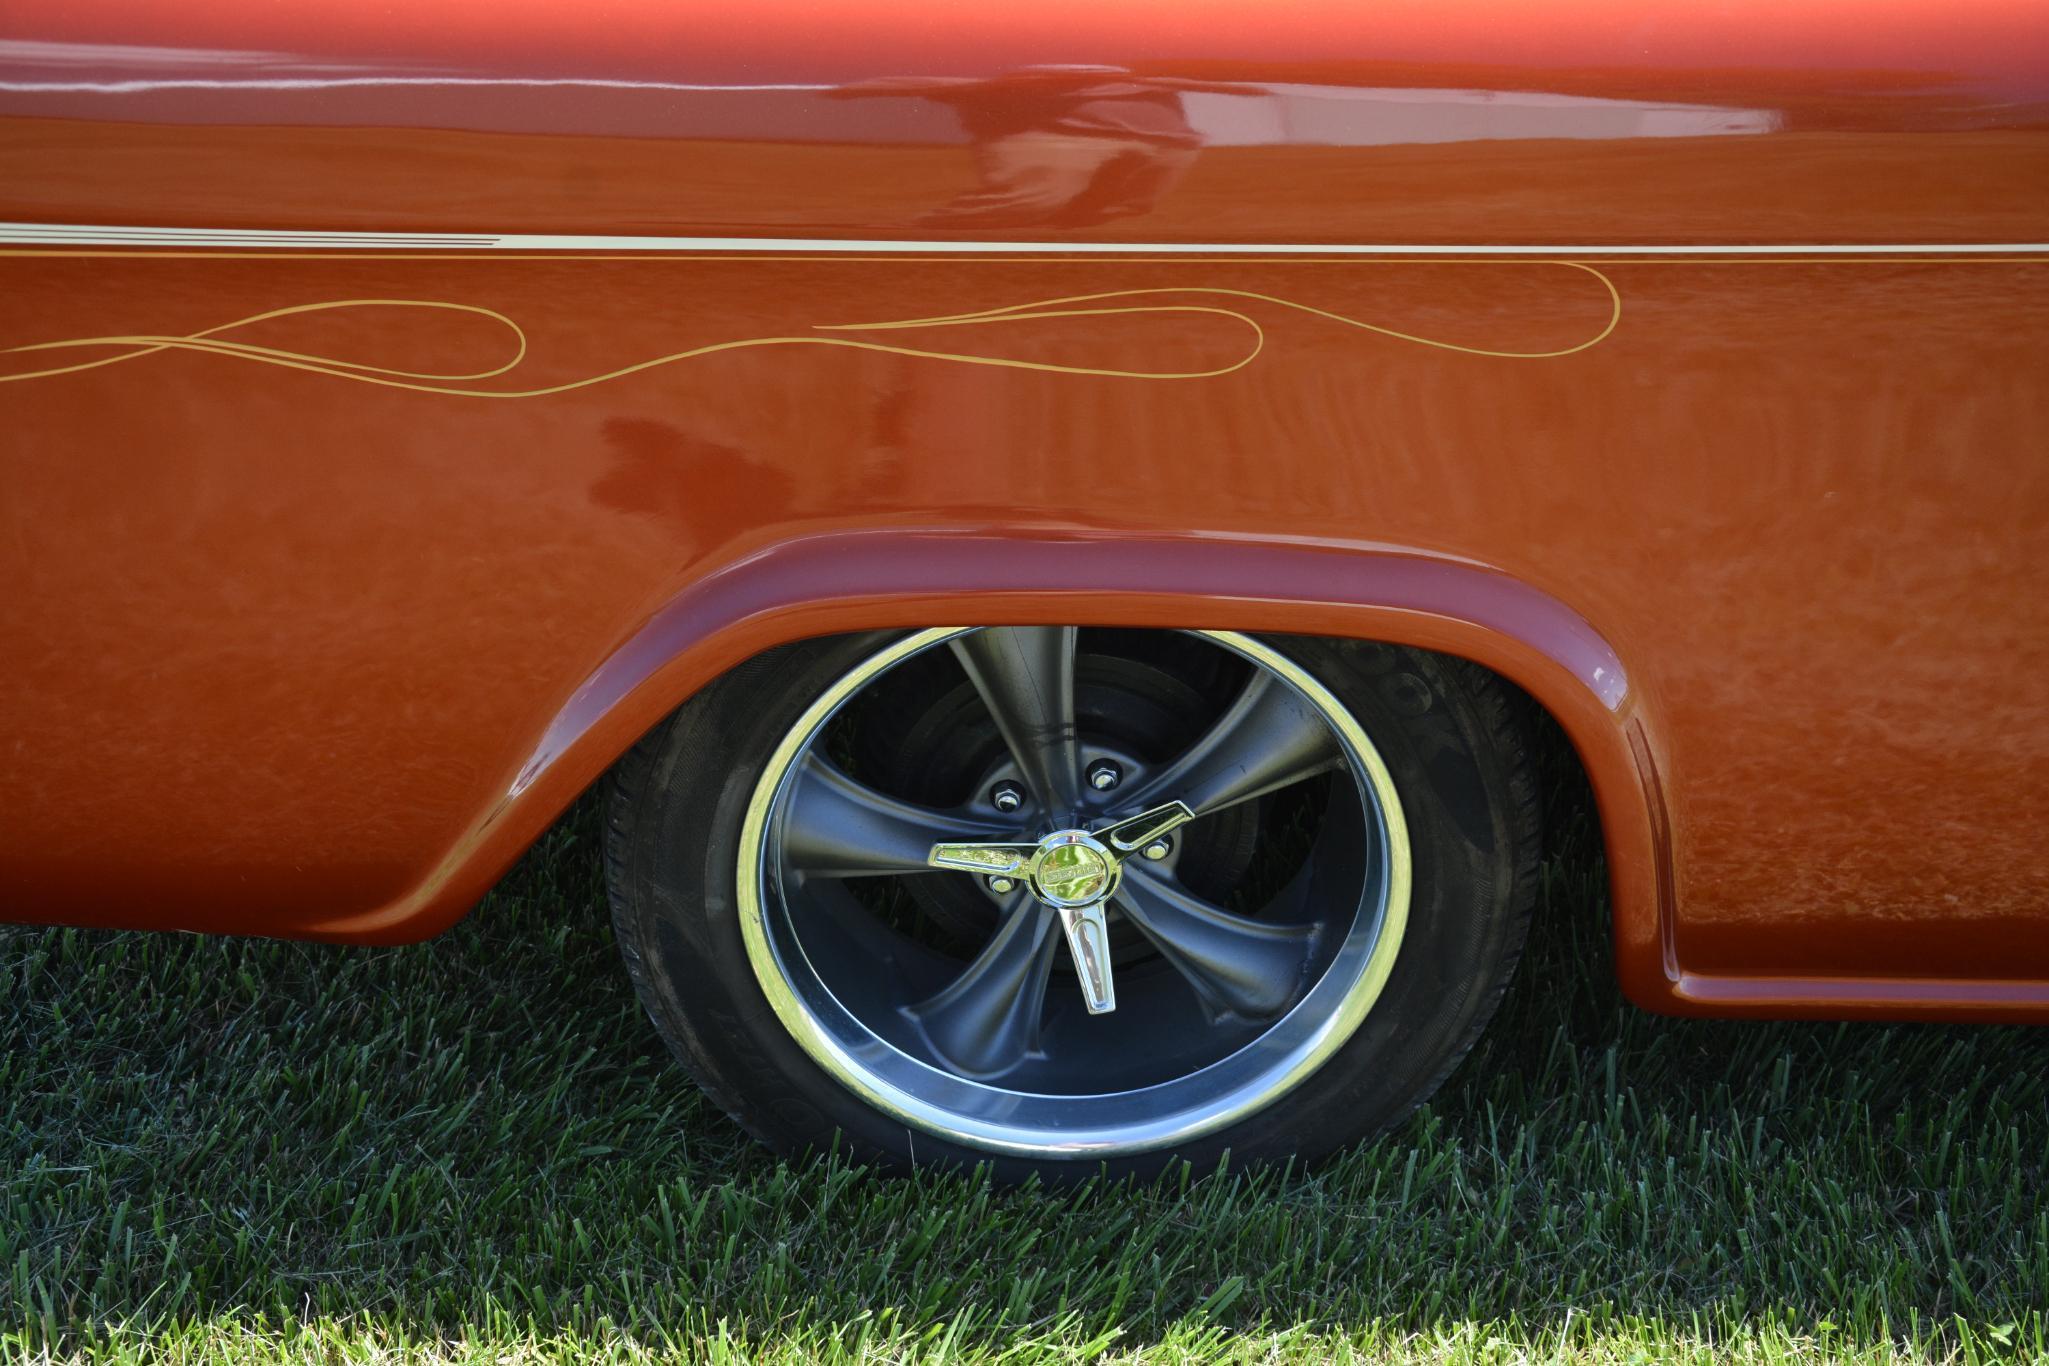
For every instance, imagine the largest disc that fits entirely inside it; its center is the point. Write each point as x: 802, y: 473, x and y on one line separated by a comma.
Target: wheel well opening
x: 1571, y: 940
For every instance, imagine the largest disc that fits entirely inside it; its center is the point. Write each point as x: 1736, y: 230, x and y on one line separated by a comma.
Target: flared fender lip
x: 870, y: 580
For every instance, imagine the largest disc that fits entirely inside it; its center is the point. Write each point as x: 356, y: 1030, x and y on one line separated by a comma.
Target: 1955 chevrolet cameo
x: 1052, y: 524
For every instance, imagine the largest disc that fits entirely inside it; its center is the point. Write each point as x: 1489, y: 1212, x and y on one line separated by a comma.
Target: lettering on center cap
x: 1071, y: 871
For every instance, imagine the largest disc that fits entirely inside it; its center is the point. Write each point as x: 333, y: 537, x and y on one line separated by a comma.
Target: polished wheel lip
x: 856, y: 1068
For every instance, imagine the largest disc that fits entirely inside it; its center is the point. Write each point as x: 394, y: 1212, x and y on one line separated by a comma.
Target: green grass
x: 473, y: 1149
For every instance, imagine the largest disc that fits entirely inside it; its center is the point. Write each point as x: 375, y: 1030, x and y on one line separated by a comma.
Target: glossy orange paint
x: 317, y: 620
x: 1527, y: 121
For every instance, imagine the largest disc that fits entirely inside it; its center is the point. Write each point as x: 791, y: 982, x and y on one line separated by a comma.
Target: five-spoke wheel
x: 1047, y: 894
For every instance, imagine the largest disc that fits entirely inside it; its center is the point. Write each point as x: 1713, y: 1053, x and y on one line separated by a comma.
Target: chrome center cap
x: 1074, y: 872
x: 1071, y: 869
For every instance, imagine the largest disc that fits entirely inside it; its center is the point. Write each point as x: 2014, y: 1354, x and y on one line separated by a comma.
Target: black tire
x: 1447, y: 734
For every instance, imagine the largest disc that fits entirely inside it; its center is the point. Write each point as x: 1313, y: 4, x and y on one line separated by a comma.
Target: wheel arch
x: 838, y: 583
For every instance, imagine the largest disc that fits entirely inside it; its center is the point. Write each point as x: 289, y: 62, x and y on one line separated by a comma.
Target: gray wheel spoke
x: 1235, y: 964
x: 837, y: 827
x: 1267, y: 739
x: 1026, y: 676
x: 987, y: 1020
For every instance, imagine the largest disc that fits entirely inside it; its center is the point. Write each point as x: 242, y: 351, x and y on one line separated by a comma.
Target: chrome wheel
x: 1061, y: 926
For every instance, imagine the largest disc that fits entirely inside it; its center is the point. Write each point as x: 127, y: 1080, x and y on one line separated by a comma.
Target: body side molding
x: 55, y: 235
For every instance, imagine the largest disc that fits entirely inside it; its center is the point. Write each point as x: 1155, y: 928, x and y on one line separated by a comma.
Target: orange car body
x: 1691, y: 370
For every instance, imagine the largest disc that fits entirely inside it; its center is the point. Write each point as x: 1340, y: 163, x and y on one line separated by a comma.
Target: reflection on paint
x: 1164, y: 116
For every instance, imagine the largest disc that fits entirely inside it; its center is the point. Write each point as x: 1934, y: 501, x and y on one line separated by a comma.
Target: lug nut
x: 1001, y: 885
x: 1104, y: 776
x: 1007, y: 797
x: 1158, y: 849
